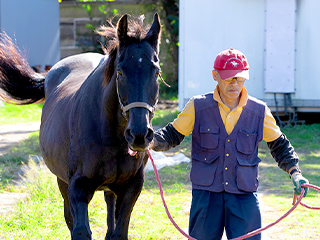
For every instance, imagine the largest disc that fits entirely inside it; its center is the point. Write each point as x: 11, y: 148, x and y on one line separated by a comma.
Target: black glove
x: 166, y: 138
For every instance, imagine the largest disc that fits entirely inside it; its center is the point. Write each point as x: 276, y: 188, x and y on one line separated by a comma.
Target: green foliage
x: 88, y: 9
x: 174, y: 22
x: 169, y: 93
x: 168, y: 61
x: 104, y: 10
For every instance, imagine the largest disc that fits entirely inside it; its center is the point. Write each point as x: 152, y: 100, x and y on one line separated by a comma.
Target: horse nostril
x: 138, y: 139
x: 149, y: 136
x: 128, y: 135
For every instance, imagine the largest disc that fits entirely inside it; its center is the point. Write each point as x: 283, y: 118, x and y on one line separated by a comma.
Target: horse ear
x: 122, y: 27
x: 154, y: 33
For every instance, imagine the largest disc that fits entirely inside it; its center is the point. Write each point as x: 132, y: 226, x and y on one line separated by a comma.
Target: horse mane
x: 136, y: 33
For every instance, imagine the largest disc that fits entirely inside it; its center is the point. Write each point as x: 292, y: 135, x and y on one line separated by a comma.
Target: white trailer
x: 34, y: 25
x: 279, y: 37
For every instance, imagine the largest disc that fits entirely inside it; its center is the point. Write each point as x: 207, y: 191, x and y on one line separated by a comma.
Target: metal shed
x: 34, y: 25
x: 279, y: 38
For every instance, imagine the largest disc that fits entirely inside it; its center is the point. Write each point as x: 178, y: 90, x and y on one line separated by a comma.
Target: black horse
x: 96, y: 108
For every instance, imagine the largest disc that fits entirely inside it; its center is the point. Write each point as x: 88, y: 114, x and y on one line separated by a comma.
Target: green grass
x: 12, y: 114
x: 278, y: 187
x: 162, y: 117
x: 40, y: 215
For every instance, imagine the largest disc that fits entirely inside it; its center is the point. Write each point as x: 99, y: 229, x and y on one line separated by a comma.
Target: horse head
x: 137, y: 72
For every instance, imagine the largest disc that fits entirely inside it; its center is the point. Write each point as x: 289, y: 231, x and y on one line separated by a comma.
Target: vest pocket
x: 209, y: 136
x: 246, y: 142
x: 247, y: 174
x: 203, y: 170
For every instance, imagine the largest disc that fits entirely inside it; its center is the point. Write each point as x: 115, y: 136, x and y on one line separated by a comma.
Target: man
x: 226, y: 127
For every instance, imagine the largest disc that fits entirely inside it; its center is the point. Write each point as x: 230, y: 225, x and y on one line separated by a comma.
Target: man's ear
x: 215, y: 75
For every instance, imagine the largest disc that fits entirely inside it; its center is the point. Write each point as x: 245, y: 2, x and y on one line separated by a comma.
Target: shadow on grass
x: 19, y: 154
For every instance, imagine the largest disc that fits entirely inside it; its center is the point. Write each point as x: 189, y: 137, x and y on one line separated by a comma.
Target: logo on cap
x: 234, y: 63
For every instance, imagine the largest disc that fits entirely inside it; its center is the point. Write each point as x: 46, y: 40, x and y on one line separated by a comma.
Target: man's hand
x: 166, y: 138
x: 298, y: 180
x: 159, y: 144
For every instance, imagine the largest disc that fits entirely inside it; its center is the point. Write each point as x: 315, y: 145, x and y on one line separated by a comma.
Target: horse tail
x: 19, y: 83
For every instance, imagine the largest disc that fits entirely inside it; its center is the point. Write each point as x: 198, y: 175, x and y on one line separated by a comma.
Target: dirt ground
x: 10, y: 135
x: 167, y: 104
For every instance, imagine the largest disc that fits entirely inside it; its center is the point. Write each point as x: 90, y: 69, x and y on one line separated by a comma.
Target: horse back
x: 74, y: 68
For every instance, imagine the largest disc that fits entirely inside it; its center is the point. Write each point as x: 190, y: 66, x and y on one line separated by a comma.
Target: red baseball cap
x: 232, y: 63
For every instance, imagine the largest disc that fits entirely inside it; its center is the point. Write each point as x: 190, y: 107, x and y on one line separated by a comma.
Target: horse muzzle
x: 138, y: 140
x: 139, y: 132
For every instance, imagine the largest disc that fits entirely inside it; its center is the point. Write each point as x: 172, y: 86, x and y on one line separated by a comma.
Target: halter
x: 133, y: 104
x: 137, y: 104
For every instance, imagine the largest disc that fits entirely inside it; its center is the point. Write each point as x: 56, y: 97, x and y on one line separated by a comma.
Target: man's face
x: 230, y: 88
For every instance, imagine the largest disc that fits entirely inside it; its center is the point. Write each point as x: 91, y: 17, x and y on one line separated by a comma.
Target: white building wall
x: 280, y: 31
x: 308, y: 50
x: 210, y: 26
x: 34, y: 24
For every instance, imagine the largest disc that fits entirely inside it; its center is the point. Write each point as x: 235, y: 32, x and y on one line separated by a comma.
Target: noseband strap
x: 133, y: 104
x: 137, y: 104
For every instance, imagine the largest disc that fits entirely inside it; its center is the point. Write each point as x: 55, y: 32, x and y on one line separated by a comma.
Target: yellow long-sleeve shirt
x: 184, y: 123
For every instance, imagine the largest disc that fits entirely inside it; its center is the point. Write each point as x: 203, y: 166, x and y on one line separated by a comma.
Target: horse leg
x: 110, y: 199
x: 80, y: 194
x: 63, y: 187
x: 126, y: 199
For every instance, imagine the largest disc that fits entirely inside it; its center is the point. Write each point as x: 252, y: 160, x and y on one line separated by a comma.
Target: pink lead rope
x: 246, y: 235
x: 164, y: 201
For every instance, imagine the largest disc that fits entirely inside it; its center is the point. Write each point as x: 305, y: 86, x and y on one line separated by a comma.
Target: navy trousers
x: 211, y: 213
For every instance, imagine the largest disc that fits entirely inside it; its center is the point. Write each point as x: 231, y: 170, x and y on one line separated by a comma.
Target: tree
x: 169, y: 12
x: 171, y: 9
x: 170, y: 15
